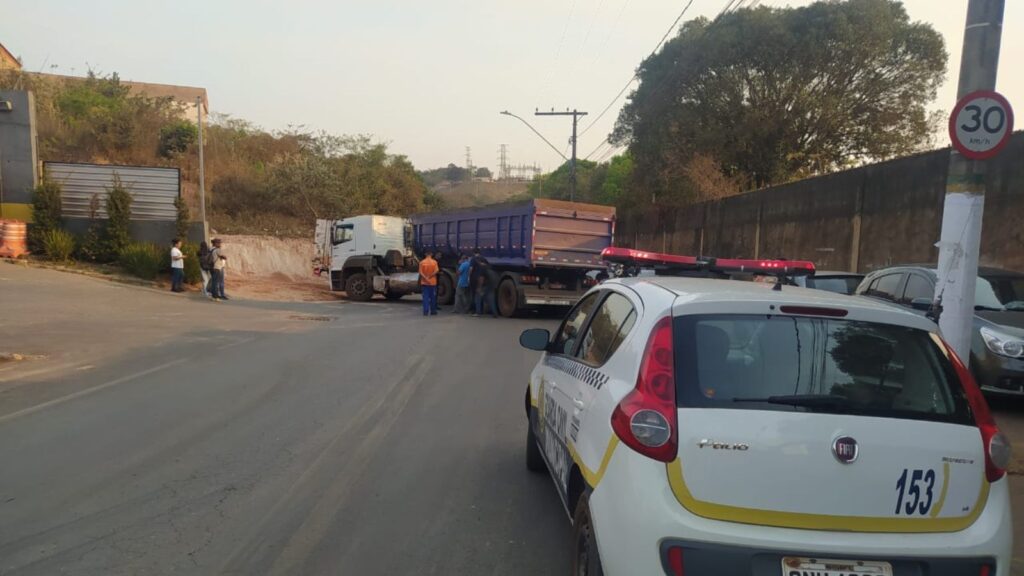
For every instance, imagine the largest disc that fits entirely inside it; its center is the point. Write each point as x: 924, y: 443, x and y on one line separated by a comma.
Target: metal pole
x: 965, y: 185
x: 202, y: 168
x: 572, y: 168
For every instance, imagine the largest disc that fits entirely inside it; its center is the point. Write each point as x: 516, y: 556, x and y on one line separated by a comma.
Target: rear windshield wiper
x: 808, y: 400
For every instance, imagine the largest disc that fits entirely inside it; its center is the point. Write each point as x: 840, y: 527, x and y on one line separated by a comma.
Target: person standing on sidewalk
x: 205, y: 267
x: 177, y: 266
x: 462, y: 298
x: 220, y: 262
x: 428, y: 283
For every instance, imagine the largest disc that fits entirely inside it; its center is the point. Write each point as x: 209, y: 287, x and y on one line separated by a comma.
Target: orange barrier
x: 12, y: 239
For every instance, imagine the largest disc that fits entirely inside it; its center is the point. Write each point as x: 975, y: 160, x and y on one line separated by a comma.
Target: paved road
x: 246, y: 438
x: 362, y: 440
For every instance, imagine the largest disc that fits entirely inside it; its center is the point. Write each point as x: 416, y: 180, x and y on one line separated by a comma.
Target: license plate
x: 826, y: 567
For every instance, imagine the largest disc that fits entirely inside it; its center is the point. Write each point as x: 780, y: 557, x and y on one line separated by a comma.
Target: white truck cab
x: 367, y: 255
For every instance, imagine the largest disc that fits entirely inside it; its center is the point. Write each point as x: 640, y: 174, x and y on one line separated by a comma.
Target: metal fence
x: 153, y: 189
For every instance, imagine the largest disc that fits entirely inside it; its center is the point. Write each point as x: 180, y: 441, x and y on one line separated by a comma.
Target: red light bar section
x: 642, y: 258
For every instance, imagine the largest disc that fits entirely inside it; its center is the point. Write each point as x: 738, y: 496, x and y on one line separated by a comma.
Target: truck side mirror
x: 535, y: 339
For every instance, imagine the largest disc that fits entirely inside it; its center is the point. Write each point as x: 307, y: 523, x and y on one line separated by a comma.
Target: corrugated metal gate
x: 153, y: 189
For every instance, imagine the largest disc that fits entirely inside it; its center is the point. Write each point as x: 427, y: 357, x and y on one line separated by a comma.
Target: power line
x: 558, y: 51
x: 636, y: 76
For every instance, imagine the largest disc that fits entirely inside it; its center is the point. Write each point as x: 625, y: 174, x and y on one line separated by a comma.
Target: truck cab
x: 367, y: 255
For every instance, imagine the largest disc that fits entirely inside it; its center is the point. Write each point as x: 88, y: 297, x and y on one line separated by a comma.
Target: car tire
x: 357, y: 287
x: 534, y: 459
x: 586, y: 560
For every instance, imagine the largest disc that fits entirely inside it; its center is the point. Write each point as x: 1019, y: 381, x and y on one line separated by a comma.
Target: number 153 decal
x: 914, y: 491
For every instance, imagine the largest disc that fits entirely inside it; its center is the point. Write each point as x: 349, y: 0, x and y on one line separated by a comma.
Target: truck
x: 543, y: 252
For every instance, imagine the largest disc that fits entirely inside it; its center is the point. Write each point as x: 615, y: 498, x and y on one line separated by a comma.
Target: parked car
x: 997, y: 345
x: 832, y: 281
x: 702, y: 426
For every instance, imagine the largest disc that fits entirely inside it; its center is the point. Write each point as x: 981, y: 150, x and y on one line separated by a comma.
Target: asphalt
x: 365, y: 439
x: 158, y: 434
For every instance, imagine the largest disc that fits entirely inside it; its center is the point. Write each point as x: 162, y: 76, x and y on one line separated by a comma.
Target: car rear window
x: 740, y: 361
x: 837, y: 284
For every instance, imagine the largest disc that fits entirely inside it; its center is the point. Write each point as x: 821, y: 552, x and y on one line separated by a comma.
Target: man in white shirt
x: 177, y: 267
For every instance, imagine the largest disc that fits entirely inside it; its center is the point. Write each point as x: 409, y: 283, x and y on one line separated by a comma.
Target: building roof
x: 6, y: 56
x: 182, y: 94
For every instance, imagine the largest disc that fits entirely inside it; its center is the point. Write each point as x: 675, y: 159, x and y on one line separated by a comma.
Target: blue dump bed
x: 535, y: 233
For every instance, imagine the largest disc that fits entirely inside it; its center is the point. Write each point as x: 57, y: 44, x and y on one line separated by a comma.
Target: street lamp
x: 557, y: 151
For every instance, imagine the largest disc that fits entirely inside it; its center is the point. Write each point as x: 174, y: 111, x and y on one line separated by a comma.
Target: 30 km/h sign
x: 981, y: 124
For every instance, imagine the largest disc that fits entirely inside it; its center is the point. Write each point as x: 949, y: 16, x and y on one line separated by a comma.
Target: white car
x: 714, y: 427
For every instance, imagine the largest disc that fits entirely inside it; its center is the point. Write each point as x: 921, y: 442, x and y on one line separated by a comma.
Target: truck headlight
x: 1003, y: 344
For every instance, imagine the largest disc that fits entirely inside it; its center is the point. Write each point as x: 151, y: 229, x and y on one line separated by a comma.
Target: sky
x: 429, y: 78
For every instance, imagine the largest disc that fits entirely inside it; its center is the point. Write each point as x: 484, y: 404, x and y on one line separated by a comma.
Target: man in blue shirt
x: 462, y: 289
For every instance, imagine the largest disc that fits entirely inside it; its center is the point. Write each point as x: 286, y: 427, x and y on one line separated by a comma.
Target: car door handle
x: 578, y: 403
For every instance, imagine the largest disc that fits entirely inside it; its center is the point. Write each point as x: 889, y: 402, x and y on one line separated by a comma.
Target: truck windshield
x: 815, y: 364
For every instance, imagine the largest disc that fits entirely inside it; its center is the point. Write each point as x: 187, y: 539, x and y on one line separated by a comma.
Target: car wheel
x: 586, y: 561
x: 357, y: 287
x: 534, y: 459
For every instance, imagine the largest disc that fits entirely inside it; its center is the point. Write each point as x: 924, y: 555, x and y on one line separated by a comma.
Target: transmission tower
x: 503, y: 172
x: 469, y: 161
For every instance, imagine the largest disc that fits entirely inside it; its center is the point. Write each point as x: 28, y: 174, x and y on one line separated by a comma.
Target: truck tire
x: 393, y: 295
x: 358, y: 287
x: 445, y: 289
x: 508, y: 298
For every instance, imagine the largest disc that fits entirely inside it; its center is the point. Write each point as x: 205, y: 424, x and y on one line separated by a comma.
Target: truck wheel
x: 445, y: 289
x: 393, y: 295
x: 508, y: 298
x: 357, y: 287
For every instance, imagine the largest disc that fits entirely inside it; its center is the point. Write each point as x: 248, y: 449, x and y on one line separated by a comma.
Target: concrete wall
x: 861, y: 219
x: 144, y: 231
x: 18, y: 159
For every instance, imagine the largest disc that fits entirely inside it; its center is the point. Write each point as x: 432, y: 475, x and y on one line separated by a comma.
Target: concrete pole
x: 202, y: 168
x: 964, y: 205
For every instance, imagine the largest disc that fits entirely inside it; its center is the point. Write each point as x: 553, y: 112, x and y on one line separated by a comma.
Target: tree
x: 175, y: 138
x: 774, y: 94
x: 482, y: 172
x: 456, y: 173
x: 117, y: 234
x: 558, y: 184
x: 47, y: 212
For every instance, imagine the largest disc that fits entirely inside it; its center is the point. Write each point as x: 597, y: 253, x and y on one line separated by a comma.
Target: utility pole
x: 572, y: 163
x: 964, y: 205
x: 202, y: 168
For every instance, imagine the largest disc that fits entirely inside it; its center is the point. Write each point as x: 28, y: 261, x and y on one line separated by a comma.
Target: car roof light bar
x: 630, y: 257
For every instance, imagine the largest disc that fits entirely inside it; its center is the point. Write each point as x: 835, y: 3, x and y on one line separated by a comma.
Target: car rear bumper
x: 702, y: 558
x: 635, y: 514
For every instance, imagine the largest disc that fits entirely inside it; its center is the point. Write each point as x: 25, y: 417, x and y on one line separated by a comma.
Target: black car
x: 997, y: 344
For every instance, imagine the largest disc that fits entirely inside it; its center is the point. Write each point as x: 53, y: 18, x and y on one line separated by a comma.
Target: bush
x: 90, y: 245
x: 192, y: 270
x: 183, y: 218
x: 58, y: 245
x: 46, y: 212
x: 117, y: 235
x: 176, y: 137
x: 144, y: 260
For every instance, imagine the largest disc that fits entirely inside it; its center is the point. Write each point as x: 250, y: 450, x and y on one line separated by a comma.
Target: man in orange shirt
x: 428, y: 283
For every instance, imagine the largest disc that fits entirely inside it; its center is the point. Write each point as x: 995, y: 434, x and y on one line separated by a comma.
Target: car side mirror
x: 922, y: 304
x: 535, y: 339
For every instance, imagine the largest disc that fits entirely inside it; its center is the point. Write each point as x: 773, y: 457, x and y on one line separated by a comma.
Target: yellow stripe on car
x: 594, y: 478
x: 823, y: 521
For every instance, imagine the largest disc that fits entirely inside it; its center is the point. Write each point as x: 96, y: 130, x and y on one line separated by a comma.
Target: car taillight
x: 675, y: 562
x: 645, y: 420
x: 996, y: 444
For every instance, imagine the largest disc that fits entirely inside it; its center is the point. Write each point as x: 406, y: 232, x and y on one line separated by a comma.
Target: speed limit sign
x: 981, y: 124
